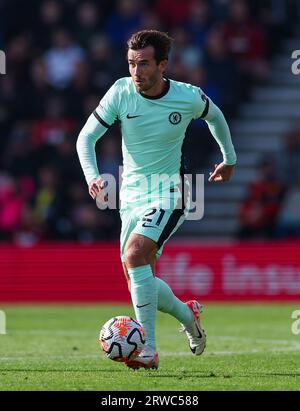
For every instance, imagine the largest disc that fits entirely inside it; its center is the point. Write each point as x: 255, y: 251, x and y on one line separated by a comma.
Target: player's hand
x: 97, y: 188
x: 222, y: 172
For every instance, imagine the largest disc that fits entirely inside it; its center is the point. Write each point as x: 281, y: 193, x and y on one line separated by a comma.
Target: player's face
x: 144, y: 70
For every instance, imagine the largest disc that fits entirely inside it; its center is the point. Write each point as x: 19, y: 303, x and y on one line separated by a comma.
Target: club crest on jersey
x: 175, y: 117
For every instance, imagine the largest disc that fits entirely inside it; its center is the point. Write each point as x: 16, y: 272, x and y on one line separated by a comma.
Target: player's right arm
x: 95, y: 127
x: 87, y: 139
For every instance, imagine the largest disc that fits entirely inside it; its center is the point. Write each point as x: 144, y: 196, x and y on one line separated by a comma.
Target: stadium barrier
x: 93, y: 273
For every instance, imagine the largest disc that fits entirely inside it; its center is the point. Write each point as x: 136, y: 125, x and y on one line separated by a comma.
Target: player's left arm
x: 219, y: 129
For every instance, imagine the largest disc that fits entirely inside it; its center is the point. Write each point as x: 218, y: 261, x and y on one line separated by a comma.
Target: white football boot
x: 195, y: 334
x: 147, y: 359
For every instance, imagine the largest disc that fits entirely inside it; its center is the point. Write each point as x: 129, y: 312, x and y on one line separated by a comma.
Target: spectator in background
x: 276, y: 22
x: 90, y: 224
x: 177, y: 69
x: 200, y: 76
x: 220, y: 10
x: 15, y: 194
x: 19, y: 157
x: 246, y: 42
x: 222, y: 71
x: 185, y: 51
x: 173, y: 12
x: 259, y: 211
x: 54, y: 126
x: 74, y: 95
x: 90, y: 102
x: 18, y: 57
x: 290, y: 157
x: 101, y: 55
x: 124, y: 21
x: 198, y: 23
x: 2, y: 11
x: 151, y: 21
x: 89, y: 20
x: 83, y: 222
x: 48, y: 201
x: 75, y: 198
x: 51, y: 17
x: 66, y: 162
x: 28, y: 232
x: 288, y: 222
x: 11, y: 206
x: 36, y: 93
x: 61, y: 59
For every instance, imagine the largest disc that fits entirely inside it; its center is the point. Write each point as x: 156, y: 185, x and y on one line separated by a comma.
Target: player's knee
x: 134, y: 256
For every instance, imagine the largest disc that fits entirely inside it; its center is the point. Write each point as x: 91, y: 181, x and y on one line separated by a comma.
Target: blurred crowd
x: 62, y: 56
x: 272, y: 206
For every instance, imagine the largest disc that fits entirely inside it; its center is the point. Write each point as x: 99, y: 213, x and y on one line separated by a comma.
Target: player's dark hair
x: 159, y: 40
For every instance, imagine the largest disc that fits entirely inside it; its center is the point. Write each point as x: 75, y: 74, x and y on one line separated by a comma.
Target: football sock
x: 167, y: 302
x: 144, y: 300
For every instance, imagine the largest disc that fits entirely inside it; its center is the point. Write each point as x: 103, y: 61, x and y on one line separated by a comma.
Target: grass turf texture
x: 249, y: 347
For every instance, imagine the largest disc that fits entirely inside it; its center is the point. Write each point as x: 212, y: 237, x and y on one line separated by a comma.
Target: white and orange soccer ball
x: 122, y: 338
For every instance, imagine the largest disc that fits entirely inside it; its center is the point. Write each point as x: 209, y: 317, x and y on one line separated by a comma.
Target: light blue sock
x: 167, y: 302
x: 144, y: 300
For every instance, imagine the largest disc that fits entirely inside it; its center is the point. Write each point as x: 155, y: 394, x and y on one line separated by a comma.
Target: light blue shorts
x: 157, y: 220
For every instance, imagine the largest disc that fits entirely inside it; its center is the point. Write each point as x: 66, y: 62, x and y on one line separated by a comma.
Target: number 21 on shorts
x: 153, y: 218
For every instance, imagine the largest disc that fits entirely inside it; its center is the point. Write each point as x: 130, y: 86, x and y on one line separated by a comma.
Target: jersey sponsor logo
x: 175, y: 117
x: 128, y: 116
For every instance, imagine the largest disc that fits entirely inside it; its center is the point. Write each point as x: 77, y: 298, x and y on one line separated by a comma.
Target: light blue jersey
x: 153, y: 130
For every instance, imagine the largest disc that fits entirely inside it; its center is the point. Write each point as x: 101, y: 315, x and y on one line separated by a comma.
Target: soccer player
x: 154, y: 113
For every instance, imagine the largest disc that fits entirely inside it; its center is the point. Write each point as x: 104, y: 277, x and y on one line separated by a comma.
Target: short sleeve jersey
x: 153, y: 128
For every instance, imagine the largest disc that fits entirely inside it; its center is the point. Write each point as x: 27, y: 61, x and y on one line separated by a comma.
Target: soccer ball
x: 121, y: 338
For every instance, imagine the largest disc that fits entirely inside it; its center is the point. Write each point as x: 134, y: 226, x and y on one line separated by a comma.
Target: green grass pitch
x: 55, y: 347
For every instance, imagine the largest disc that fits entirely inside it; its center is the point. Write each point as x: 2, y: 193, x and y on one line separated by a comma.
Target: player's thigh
x: 138, y: 244
x: 129, y: 221
x: 159, y: 224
